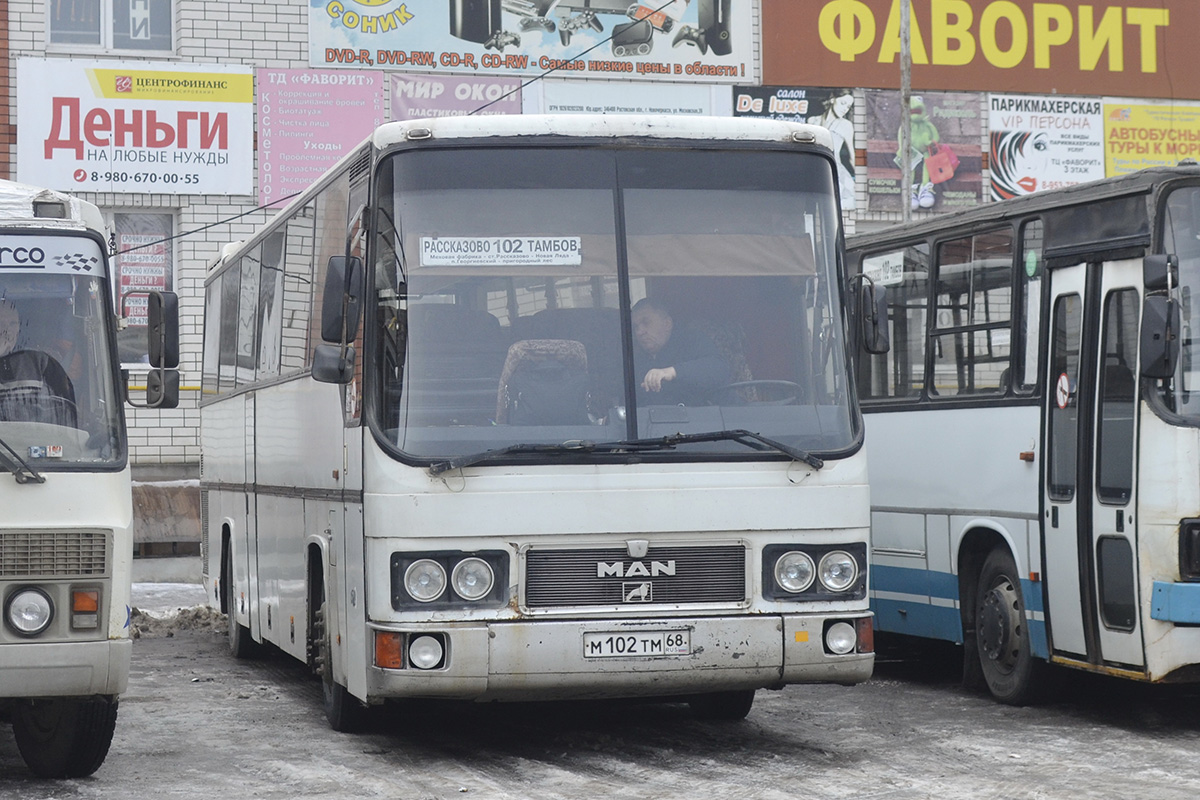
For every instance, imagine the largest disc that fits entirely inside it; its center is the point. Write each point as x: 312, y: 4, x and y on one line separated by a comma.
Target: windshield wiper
x: 18, y: 466
x: 572, y: 446
x: 748, y: 438
x: 669, y: 442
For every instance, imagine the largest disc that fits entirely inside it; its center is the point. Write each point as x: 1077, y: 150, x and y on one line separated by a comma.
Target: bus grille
x: 53, y: 553
x: 592, y: 577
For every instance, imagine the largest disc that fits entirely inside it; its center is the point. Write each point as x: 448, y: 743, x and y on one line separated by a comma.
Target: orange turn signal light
x: 85, y: 601
x: 389, y: 650
x: 865, y: 629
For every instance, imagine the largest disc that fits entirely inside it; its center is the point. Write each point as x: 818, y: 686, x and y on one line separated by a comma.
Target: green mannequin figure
x: 924, y: 133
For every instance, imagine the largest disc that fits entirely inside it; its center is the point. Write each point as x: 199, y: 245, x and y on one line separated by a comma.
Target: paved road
x: 197, y: 724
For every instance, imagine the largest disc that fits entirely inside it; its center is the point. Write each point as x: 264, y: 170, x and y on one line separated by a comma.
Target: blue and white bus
x: 1034, y: 433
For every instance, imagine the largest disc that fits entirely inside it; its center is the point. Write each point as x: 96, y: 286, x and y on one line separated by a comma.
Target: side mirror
x: 1160, y: 272
x: 162, y: 312
x: 333, y: 363
x: 1159, y: 345
x: 341, y: 302
x: 873, y: 311
x: 162, y: 348
x: 162, y: 388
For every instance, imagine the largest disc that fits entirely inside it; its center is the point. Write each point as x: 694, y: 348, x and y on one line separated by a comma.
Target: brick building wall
x: 267, y: 33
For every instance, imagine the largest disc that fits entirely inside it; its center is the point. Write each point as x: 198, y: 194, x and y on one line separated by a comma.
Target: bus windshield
x: 1181, y: 237
x: 58, y: 401
x: 538, y: 295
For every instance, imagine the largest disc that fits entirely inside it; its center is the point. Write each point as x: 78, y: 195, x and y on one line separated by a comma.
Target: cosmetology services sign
x: 142, y: 127
x: 702, y: 41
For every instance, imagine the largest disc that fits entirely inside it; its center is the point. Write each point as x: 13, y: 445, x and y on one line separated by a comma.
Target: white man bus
x: 477, y: 492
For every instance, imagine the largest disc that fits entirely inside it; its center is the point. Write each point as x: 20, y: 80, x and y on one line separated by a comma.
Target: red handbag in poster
x: 941, y: 162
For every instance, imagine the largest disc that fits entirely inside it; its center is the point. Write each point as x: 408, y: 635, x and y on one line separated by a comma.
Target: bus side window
x: 973, y: 314
x: 329, y: 240
x: 901, y: 371
x: 227, y: 335
x: 294, y: 352
x: 1030, y: 268
x: 270, y: 304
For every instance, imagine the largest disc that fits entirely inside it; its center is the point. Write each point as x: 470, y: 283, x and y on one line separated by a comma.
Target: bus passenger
x: 680, y: 367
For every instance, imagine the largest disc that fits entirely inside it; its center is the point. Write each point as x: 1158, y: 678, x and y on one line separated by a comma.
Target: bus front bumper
x: 588, y: 659
x: 64, y: 669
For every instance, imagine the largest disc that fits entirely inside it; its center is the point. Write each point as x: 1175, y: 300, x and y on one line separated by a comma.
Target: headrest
x: 10, y: 327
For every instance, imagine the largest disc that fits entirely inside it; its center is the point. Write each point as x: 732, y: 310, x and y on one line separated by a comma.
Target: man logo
x: 638, y: 592
x: 637, y: 569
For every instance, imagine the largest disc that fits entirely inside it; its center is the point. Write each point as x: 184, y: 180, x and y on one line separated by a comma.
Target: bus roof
x: 64, y: 210
x: 1141, y: 182
x: 603, y: 126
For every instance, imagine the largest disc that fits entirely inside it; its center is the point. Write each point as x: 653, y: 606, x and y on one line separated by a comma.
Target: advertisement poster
x: 420, y: 96
x: 141, y: 127
x: 945, y: 157
x: 307, y: 120
x: 1140, y: 134
x: 829, y: 108
x: 1127, y: 48
x: 591, y: 97
x: 698, y: 41
x: 1043, y: 142
x: 145, y: 268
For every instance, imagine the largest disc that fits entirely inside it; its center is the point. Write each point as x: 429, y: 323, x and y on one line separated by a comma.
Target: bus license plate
x: 606, y: 644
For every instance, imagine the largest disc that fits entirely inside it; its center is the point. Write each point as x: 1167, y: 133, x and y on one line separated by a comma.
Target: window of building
x: 144, y: 261
x: 139, y: 26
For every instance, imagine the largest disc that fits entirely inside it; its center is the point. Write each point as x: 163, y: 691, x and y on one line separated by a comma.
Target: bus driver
x: 28, y: 376
x: 678, y: 367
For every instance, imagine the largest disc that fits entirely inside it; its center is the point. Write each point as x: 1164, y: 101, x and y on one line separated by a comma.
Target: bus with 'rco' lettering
x: 1034, y: 432
x: 537, y: 407
x: 66, y: 511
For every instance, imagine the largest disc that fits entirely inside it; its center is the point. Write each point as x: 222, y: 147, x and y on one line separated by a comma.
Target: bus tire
x: 241, y: 643
x: 1014, y: 675
x: 722, y: 706
x: 343, y: 710
x: 65, y: 737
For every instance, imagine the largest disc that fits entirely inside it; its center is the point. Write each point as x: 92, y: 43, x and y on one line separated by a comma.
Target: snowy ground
x: 195, y: 723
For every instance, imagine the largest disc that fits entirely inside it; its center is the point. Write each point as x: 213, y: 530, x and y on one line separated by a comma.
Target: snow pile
x: 154, y: 624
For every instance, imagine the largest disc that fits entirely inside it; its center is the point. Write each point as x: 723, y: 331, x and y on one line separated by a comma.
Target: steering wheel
x: 784, y: 393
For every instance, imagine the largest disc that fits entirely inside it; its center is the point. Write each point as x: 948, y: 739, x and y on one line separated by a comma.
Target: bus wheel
x: 343, y: 710
x: 65, y: 737
x: 241, y: 643
x: 1013, y: 674
x: 722, y: 706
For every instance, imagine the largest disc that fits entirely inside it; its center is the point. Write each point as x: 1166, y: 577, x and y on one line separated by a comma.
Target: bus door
x: 1090, y: 535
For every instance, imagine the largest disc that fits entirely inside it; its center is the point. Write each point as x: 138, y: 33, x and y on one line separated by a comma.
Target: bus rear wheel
x: 1011, y: 671
x: 65, y: 737
x: 722, y: 706
x: 241, y: 643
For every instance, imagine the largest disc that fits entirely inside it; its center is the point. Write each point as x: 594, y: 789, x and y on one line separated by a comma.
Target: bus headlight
x: 425, y: 652
x: 840, y: 638
x: 29, y: 612
x: 838, y: 571
x: 472, y: 578
x: 794, y: 571
x: 425, y: 580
